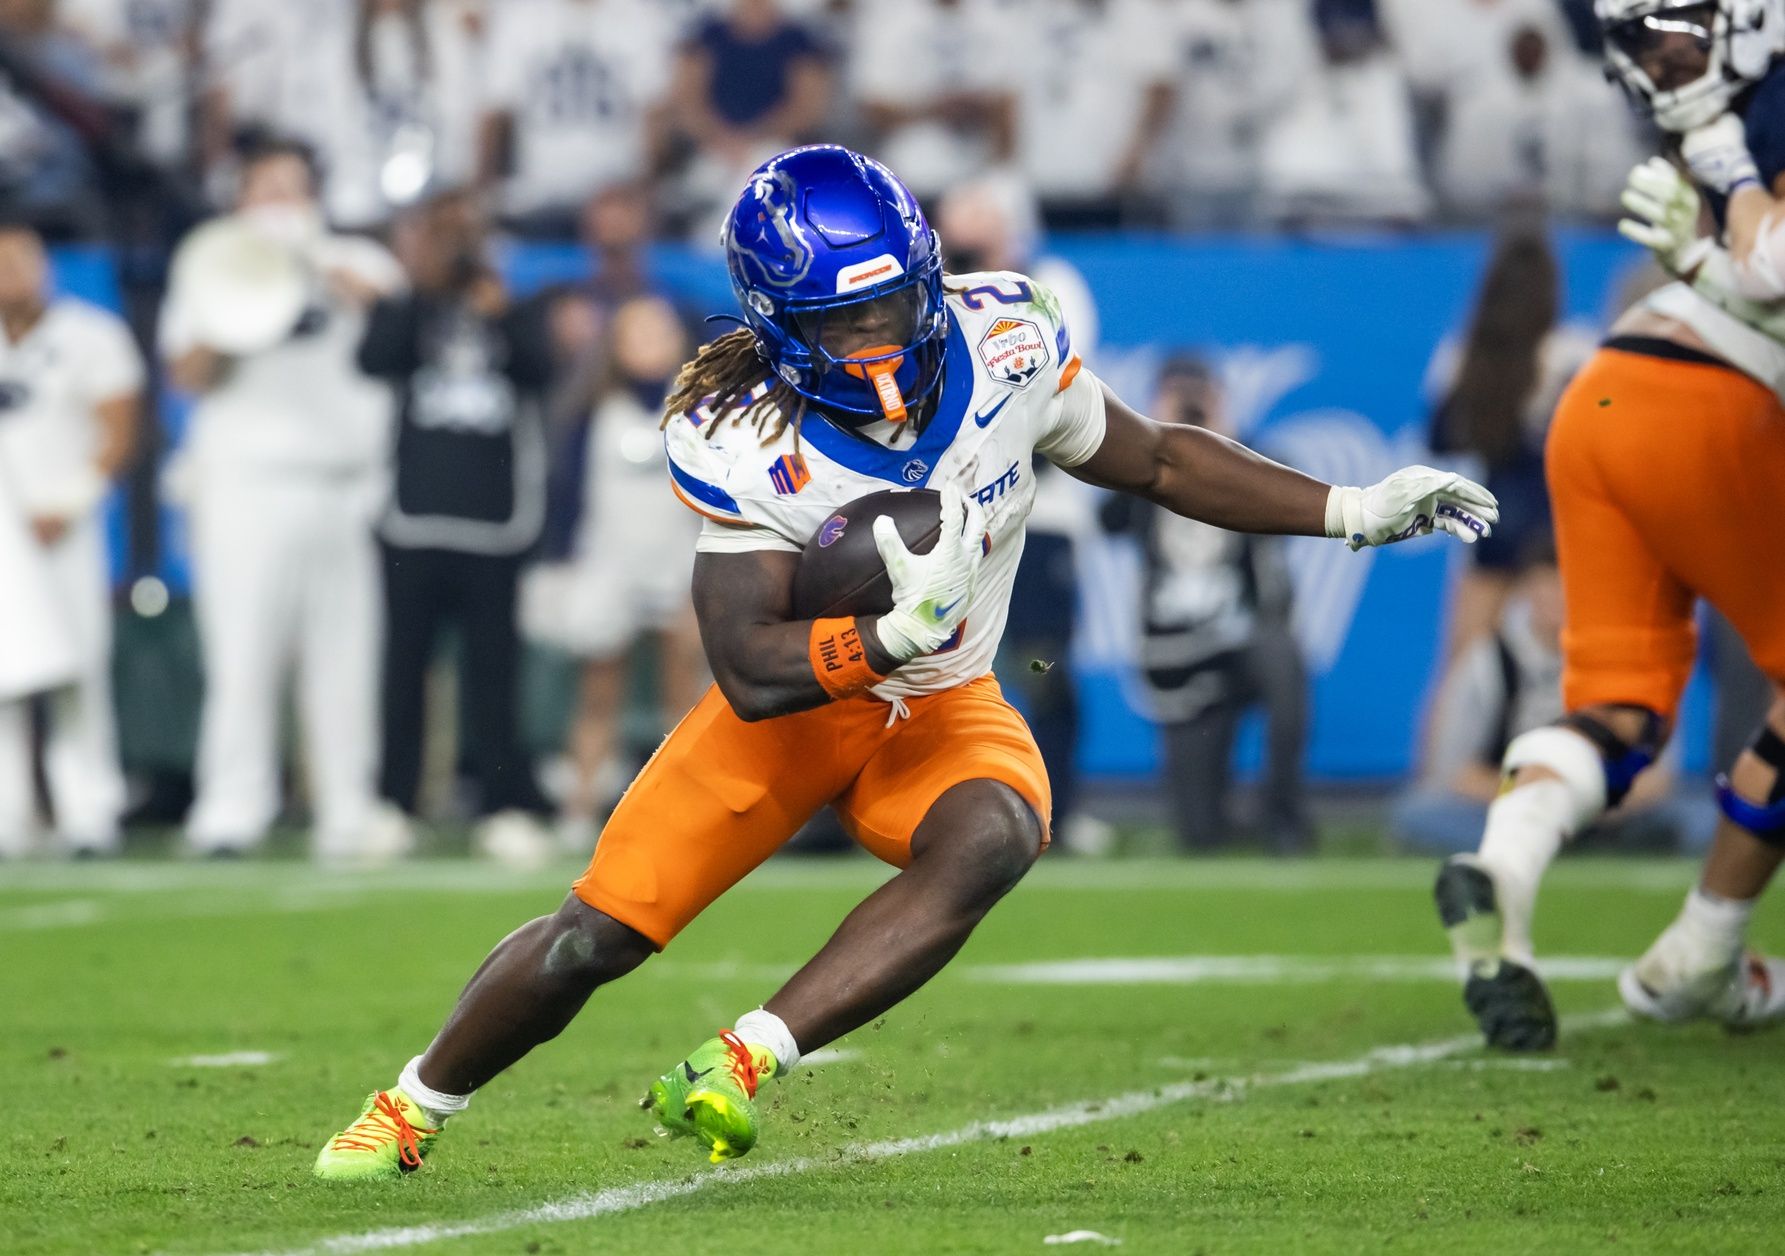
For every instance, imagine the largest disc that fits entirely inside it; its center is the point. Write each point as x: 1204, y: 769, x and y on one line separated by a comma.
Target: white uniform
x: 634, y: 556
x: 579, y: 77
x: 287, y: 460
x: 52, y: 380
x: 1011, y: 387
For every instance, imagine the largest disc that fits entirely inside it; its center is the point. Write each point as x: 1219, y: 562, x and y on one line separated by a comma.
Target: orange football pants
x: 1668, y: 484
x: 722, y: 795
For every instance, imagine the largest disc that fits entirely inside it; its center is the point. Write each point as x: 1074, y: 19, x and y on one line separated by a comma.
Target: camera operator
x: 470, y: 370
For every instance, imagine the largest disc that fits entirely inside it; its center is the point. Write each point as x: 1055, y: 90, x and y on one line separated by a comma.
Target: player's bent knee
x: 1755, y: 802
x: 987, y: 833
x: 590, y: 947
x: 1596, y: 763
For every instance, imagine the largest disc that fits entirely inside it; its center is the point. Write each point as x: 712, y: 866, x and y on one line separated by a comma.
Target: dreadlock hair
x: 721, y: 377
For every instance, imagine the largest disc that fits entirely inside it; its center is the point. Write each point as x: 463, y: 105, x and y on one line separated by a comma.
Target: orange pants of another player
x: 721, y: 795
x: 1668, y: 483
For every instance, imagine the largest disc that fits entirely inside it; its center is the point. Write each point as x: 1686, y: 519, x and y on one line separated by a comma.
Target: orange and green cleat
x: 389, y: 1139
x: 712, y: 1095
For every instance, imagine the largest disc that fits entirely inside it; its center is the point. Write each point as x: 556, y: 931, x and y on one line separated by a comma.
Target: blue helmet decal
x: 821, y: 228
x: 765, y: 235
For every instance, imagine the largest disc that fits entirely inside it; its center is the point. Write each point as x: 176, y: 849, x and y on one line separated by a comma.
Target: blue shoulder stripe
x: 704, y: 493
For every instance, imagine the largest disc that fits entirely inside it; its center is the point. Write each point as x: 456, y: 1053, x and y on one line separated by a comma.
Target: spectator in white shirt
x: 935, y: 85
x: 1343, y: 151
x: 575, y: 102
x: 1238, y: 64
x: 71, y: 384
x: 1094, y: 88
x: 147, y: 47
x: 1546, y: 130
x: 384, y: 91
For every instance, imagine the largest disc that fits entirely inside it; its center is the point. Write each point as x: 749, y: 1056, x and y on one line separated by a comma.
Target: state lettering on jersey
x: 1014, y: 351
x: 986, y: 494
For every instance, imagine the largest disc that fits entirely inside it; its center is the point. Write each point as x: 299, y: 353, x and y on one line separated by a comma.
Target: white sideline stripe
x: 472, y: 877
x: 1190, y: 970
x: 62, y: 915
x: 228, y: 1059
x: 618, y: 1199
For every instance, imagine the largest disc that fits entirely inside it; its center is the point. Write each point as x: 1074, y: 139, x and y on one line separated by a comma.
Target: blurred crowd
x: 390, y: 459
x: 1178, y: 113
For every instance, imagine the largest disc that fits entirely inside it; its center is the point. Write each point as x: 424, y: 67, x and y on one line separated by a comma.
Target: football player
x: 859, y: 366
x: 1666, y: 462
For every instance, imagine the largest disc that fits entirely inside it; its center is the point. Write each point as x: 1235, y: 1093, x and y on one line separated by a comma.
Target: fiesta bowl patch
x: 1014, y: 351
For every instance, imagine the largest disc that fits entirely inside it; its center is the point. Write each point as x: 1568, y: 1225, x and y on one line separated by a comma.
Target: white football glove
x: 1718, y: 154
x: 1411, y: 502
x: 1665, y: 208
x: 931, y: 591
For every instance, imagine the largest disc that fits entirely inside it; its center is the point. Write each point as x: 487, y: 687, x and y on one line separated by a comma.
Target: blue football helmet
x: 840, y: 278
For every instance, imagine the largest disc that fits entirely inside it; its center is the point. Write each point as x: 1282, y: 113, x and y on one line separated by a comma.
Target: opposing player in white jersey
x: 71, y: 383
x: 859, y: 368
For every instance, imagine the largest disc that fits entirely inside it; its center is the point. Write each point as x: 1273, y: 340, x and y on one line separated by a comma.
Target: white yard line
x: 132, y: 876
x: 1489, y: 1064
x: 228, y: 1059
x: 84, y: 913
x: 620, y: 1199
x: 1191, y: 970
x: 67, y: 913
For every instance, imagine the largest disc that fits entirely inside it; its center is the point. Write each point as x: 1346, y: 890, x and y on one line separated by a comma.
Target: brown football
x: 840, y: 571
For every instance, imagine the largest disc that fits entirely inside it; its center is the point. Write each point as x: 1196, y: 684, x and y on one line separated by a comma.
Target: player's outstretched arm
x: 1202, y: 475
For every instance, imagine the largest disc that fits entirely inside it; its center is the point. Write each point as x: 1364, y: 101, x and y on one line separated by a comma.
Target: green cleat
x: 712, y: 1095
x: 388, y: 1140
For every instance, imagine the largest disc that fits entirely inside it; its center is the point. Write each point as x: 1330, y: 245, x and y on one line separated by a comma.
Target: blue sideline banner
x: 1325, y: 348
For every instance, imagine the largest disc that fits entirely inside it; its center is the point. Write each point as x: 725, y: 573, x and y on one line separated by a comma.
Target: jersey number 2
x: 973, y: 298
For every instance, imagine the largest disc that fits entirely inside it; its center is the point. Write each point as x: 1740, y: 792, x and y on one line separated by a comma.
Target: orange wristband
x: 839, y: 659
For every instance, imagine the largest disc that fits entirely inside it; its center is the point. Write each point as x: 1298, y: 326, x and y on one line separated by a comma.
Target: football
x: 840, y: 571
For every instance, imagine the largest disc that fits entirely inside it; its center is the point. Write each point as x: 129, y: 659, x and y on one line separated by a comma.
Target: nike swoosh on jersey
x: 983, y: 417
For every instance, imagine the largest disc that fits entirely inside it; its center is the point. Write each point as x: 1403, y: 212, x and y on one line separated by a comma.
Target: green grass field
x: 1293, y: 1073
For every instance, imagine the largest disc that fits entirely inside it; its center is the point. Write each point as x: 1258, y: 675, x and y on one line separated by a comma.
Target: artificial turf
x: 1271, y: 1105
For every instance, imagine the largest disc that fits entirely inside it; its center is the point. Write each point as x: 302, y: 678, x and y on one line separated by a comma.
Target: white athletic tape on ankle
x: 1573, y: 759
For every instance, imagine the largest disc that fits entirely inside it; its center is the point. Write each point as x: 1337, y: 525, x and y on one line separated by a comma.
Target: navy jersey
x: 1763, y: 113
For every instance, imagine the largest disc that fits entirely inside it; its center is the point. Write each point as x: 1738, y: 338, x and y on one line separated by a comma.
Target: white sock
x: 1526, y: 827
x: 762, y: 1028
x: 1716, y: 925
x: 436, y: 1104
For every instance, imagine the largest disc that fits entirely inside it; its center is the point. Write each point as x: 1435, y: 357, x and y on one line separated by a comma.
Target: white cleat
x: 1747, y: 994
x: 388, y: 837
x: 515, y: 840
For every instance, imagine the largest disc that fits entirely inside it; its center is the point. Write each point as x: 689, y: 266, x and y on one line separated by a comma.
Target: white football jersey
x: 1011, y: 387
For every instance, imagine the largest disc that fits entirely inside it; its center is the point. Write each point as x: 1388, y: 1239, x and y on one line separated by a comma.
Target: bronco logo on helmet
x: 770, y: 237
